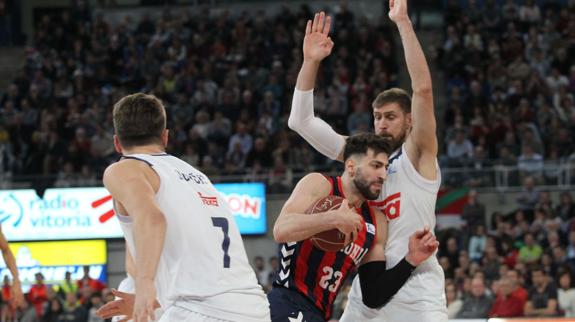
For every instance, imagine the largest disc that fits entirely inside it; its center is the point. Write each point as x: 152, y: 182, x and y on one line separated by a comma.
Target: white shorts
x: 192, y: 311
x: 180, y: 314
x: 392, y: 312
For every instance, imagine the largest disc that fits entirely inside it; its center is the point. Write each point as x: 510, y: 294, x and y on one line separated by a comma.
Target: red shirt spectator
x: 86, y: 280
x: 507, y: 304
x: 38, y: 295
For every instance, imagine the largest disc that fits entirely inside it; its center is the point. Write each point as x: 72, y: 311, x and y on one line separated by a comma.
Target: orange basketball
x: 329, y: 240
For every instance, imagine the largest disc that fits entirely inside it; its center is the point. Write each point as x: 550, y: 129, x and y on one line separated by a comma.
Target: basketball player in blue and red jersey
x: 410, y: 193
x: 310, y: 278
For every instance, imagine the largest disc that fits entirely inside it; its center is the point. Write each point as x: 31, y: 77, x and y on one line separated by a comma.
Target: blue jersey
x: 317, y: 274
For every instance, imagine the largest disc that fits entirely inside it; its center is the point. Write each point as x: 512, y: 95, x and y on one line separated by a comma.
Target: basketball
x: 329, y: 240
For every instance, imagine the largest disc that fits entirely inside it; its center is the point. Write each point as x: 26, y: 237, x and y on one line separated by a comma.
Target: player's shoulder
x: 122, y: 169
x: 316, y: 177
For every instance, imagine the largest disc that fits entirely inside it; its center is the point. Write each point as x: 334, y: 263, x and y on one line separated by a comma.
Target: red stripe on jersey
x: 330, y: 180
x: 347, y: 266
x: 301, y: 266
x: 340, y: 187
x: 327, y: 260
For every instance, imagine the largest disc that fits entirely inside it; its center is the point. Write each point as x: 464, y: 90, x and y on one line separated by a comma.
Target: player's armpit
x: 379, y: 285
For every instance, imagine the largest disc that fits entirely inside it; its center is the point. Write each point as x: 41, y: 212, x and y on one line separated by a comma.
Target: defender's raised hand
x: 317, y: 44
x: 398, y: 10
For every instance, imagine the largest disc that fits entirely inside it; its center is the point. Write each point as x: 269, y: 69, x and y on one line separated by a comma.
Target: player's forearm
x: 307, y: 75
x: 11, y: 264
x: 414, y: 58
x: 296, y: 227
x: 379, y: 285
x: 149, y: 235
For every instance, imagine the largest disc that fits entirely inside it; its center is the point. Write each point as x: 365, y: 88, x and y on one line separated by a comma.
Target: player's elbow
x: 293, y: 123
x: 280, y: 235
x: 423, y: 89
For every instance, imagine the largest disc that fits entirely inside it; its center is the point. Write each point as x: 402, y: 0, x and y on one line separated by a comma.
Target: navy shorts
x: 290, y: 306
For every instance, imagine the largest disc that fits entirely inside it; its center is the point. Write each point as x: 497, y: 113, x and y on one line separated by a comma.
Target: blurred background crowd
x: 506, y: 110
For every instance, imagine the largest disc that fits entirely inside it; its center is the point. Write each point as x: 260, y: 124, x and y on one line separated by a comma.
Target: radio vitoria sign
x: 87, y: 213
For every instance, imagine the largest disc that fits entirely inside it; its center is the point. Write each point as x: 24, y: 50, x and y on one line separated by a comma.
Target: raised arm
x: 18, y: 297
x: 422, y: 142
x: 378, y: 284
x: 316, y: 46
x: 133, y: 185
x: 293, y: 224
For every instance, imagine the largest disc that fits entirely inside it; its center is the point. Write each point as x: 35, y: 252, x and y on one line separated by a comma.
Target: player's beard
x: 396, y: 142
x: 362, y: 185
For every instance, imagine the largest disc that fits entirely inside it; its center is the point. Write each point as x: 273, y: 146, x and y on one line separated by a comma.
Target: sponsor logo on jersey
x: 370, y: 228
x: 355, y: 251
x: 390, y: 206
x: 209, y: 201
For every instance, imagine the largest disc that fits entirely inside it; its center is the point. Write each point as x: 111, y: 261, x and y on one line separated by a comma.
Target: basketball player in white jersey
x: 409, y: 195
x: 188, y: 252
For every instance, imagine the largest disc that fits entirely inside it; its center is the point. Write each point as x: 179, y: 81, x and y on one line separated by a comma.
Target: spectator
x: 454, y: 302
x: 478, y: 303
x: 529, y: 195
x: 530, y: 164
x: 261, y: 272
x: 477, y: 243
x: 473, y: 211
x: 531, y: 252
x: 566, y: 295
x: 506, y: 304
x: 566, y: 207
x: 38, y: 295
x: 53, y: 311
x: 459, y: 150
x: 516, y: 281
x: 73, y: 310
x: 67, y: 286
x: 88, y: 282
x: 542, y: 300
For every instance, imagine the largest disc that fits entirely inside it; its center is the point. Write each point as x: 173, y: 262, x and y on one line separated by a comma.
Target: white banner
x: 75, y: 213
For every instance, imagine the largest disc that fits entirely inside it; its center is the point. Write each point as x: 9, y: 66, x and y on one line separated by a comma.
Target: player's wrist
x: 311, y: 62
x: 412, y: 260
x: 402, y: 21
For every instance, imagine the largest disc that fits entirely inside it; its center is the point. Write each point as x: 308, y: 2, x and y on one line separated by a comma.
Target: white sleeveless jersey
x: 203, y: 260
x: 408, y: 201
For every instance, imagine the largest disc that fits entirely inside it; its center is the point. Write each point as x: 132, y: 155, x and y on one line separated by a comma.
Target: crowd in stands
x: 510, y: 82
x: 226, y: 81
x: 66, y: 301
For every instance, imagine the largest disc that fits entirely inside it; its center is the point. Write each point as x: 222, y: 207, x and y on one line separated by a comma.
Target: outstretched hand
x: 422, y: 244
x: 122, y: 306
x: 317, y: 44
x: 398, y: 10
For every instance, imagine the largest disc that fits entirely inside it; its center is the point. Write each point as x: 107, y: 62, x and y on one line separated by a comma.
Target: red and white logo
x: 390, y: 206
x: 209, y: 201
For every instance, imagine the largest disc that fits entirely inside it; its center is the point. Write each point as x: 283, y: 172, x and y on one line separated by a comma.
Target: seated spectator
x: 516, y: 283
x: 478, y: 303
x: 542, y: 300
x: 477, y: 243
x: 507, y: 304
x: 529, y: 196
x: 566, y: 295
x: 73, y: 310
x: 454, y: 302
x: 530, y: 164
x: 531, y: 252
x: 459, y: 150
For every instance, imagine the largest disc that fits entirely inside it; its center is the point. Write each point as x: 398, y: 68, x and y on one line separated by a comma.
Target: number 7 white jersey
x: 203, y: 260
